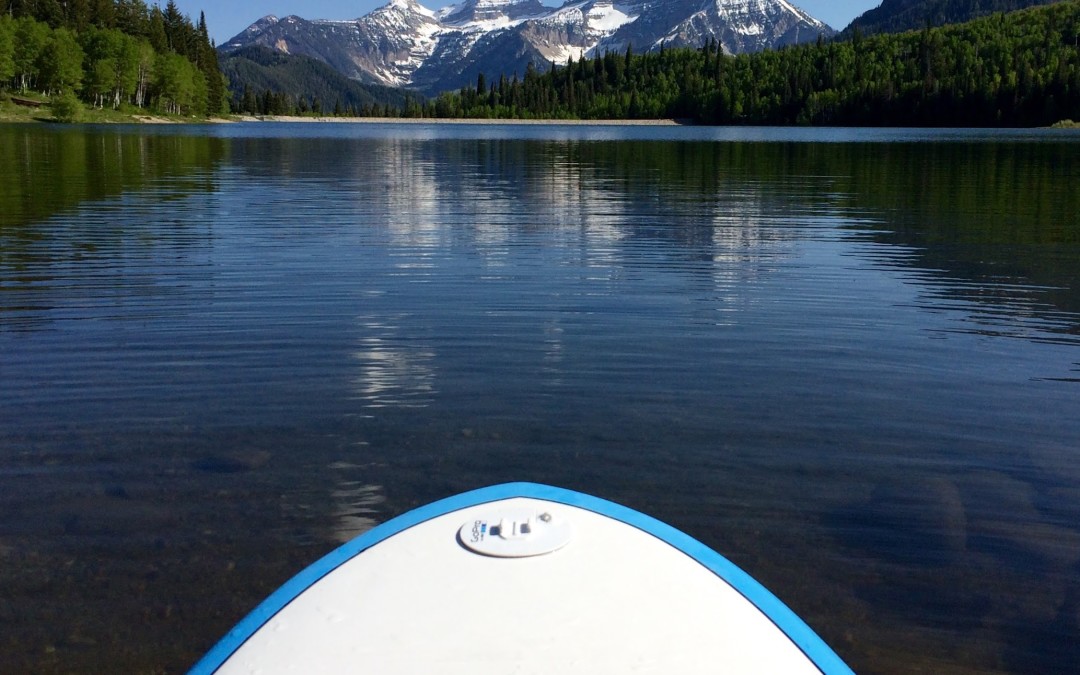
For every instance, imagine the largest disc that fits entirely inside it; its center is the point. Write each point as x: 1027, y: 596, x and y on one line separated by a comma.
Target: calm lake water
x: 848, y: 360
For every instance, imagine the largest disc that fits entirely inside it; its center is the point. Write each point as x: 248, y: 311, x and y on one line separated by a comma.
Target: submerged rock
x: 233, y: 462
x: 1005, y: 521
x: 926, y: 512
x: 914, y: 520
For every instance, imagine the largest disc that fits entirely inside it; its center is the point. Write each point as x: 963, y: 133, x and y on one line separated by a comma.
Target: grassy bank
x: 13, y: 112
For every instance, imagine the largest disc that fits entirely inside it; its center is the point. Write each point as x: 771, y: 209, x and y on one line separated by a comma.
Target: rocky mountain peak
x: 492, y: 11
x: 407, y: 7
x: 403, y: 43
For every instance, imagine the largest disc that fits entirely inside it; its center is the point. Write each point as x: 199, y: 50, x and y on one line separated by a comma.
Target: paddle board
x: 522, y: 578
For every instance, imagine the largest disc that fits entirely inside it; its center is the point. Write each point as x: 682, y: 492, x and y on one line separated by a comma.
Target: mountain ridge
x: 897, y: 16
x: 406, y: 44
x: 255, y: 69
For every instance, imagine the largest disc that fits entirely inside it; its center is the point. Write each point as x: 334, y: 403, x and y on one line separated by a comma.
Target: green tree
x: 199, y: 95
x: 179, y: 87
x: 112, y: 66
x: 7, y: 49
x: 103, y: 13
x: 133, y: 17
x: 216, y: 85
x: 155, y: 31
x: 51, y: 12
x: 178, y: 31
x: 61, y: 62
x: 143, y: 57
x: 128, y: 68
x: 66, y: 107
x: 102, y: 48
x: 248, y: 103
x: 30, y: 40
x: 76, y: 14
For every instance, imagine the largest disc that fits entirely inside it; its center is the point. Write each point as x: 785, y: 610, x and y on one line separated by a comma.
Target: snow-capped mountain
x: 747, y: 25
x: 406, y: 44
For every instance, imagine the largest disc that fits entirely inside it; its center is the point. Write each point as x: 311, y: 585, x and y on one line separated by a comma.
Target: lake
x: 849, y: 360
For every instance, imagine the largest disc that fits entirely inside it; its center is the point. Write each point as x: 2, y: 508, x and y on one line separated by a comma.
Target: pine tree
x: 77, y: 14
x: 175, y: 33
x: 159, y: 39
x: 132, y: 17
x: 49, y: 11
x: 103, y: 13
x: 248, y: 102
x: 7, y: 49
x: 211, y: 70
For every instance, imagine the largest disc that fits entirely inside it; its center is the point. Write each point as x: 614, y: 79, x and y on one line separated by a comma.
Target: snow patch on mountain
x: 608, y: 17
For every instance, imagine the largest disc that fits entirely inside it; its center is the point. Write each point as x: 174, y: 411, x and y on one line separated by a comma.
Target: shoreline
x: 13, y: 114
x: 451, y: 120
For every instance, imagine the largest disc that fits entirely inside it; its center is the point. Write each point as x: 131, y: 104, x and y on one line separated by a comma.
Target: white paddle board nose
x: 516, y: 533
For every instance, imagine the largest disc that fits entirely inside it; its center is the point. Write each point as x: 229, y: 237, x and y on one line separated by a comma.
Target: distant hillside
x: 255, y: 70
x: 1014, y: 69
x: 897, y: 16
x: 110, y: 54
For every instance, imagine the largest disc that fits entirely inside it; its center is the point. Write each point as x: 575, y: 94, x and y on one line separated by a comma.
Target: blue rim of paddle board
x: 786, y: 620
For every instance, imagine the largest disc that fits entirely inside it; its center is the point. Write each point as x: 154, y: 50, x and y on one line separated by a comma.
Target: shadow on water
x: 50, y: 170
x: 73, y: 202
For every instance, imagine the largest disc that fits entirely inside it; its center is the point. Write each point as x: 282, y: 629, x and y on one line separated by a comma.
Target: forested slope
x: 268, y: 82
x: 1016, y: 69
x: 110, y: 53
x: 897, y: 16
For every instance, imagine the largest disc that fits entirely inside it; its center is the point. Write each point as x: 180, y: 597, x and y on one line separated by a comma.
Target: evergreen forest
x: 267, y: 82
x: 1012, y: 69
x: 110, y: 54
x: 897, y: 16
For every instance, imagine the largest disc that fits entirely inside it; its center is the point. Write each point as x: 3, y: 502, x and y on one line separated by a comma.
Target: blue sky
x: 226, y: 18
